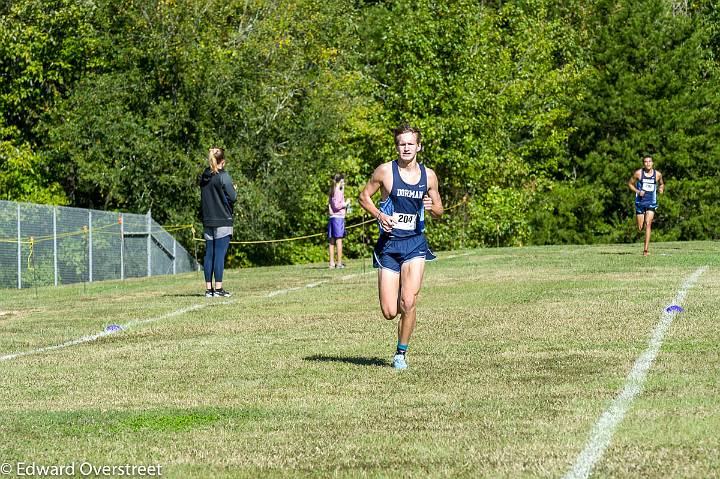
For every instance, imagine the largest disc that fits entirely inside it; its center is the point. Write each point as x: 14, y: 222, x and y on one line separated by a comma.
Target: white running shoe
x: 399, y: 362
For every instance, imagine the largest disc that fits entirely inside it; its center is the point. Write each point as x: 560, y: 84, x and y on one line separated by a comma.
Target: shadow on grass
x: 186, y: 295
x: 348, y: 359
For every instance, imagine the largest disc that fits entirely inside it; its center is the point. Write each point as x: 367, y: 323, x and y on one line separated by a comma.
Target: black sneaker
x: 221, y: 293
x: 209, y: 293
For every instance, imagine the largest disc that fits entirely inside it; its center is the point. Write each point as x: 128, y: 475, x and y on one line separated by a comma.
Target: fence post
x: 55, y: 268
x: 90, y: 251
x: 174, y: 254
x: 122, y: 246
x: 19, y: 255
x: 149, y: 240
x: 197, y: 263
x: 465, y: 220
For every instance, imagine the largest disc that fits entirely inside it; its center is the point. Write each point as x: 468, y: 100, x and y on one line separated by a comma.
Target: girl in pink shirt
x: 337, y: 206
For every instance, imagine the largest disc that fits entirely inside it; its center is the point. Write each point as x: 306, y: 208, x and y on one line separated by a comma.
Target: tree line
x: 534, y: 112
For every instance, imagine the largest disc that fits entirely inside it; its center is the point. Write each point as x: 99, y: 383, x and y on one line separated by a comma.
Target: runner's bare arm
x: 634, y: 179
x: 378, y: 180
x: 433, y: 202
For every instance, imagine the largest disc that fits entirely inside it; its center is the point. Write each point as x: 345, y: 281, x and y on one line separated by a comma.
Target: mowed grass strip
x: 516, y: 355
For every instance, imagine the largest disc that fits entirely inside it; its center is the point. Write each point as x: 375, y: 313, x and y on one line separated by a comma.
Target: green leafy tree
x: 45, y: 46
x: 22, y: 178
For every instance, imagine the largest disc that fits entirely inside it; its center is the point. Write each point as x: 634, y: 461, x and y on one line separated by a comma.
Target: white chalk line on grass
x: 604, y: 429
x: 138, y: 322
x: 93, y: 337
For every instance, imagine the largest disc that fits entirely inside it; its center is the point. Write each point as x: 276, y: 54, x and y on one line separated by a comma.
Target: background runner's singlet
x: 405, y: 204
x: 648, y: 184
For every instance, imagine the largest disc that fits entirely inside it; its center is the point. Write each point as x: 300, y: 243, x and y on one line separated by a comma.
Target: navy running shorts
x: 641, y: 208
x: 390, y: 253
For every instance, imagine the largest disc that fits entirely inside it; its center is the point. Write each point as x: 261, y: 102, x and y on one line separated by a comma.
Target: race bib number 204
x: 405, y: 221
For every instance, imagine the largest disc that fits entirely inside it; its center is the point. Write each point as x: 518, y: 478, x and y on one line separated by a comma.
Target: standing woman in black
x: 217, y: 197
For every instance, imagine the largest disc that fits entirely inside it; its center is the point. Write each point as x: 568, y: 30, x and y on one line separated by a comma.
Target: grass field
x: 517, y: 354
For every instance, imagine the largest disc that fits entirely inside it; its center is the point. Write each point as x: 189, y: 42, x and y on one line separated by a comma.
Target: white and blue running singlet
x: 648, y: 184
x: 405, y: 204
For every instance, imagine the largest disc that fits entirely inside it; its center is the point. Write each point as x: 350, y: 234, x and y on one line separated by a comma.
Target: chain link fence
x: 44, y: 245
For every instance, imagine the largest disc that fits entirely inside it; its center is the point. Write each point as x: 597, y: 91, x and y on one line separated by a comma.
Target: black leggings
x: 215, y: 251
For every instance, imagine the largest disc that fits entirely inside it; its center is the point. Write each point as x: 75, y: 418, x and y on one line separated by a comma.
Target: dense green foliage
x: 537, y: 111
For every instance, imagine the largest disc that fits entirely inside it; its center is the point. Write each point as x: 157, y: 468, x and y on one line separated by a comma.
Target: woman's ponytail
x: 215, y: 157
